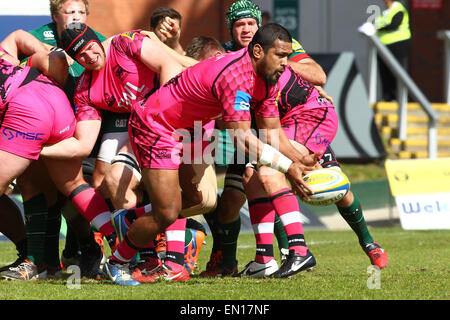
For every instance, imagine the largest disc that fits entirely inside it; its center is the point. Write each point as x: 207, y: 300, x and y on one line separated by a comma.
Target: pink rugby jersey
x: 305, y: 116
x: 224, y: 87
x: 123, y: 81
x: 296, y: 95
x: 11, y: 77
x: 34, y: 111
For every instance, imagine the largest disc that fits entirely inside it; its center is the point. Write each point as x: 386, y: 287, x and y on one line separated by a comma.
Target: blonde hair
x: 55, y: 5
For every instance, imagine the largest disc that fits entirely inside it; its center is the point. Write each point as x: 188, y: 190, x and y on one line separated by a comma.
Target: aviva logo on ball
x: 329, y: 186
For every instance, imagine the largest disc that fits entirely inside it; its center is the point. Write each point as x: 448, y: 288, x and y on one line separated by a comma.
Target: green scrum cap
x: 242, y: 9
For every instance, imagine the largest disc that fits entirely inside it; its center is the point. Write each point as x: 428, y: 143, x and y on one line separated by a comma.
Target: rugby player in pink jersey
x: 24, y: 91
x: 127, y: 79
x: 129, y: 75
x: 223, y: 87
x: 35, y: 113
x: 243, y: 19
x: 132, y: 68
x: 310, y: 122
x: 119, y: 72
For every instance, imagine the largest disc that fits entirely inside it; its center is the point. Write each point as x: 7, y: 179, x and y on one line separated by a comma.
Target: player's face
x: 275, y: 61
x: 92, y: 57
x: 243, y: 31
x: 70, y: 11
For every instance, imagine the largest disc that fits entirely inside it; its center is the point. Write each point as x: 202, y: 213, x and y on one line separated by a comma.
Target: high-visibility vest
x: 391, y: 36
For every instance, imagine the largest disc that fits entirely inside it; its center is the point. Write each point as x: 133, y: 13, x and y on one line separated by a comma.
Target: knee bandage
x: 209, y: 203
x: 206, y: 182
x: 128, y: 160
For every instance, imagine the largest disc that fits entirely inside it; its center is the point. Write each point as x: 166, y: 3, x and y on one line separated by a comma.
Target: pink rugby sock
x: 288, y: 209
x: 175, y: 235
x: 262, y: 216
x: 134, y: 213
x: 91, y: 204
x: 125, y: 251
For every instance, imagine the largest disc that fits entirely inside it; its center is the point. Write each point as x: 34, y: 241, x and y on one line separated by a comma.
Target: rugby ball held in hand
x: 329, y: 186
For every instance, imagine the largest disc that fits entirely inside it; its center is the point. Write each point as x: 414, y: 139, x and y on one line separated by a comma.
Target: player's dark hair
x: 161, y: 13
x: 266, y: 15
x: 201, y: 45
x: 268, y: 34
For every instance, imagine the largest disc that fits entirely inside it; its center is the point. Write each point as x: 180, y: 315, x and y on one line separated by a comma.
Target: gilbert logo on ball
x: 329, y: 186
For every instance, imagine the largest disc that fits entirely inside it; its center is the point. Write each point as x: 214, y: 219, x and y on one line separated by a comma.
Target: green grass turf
x: 418, y: 269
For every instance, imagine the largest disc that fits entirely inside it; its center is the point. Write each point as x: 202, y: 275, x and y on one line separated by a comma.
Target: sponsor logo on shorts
x: 163, y: 154
x: 319, y: 139
x: 242, y: 101
x: 10, y: 134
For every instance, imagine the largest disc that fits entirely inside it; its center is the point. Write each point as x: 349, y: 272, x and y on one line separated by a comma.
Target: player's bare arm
x: 282, y: 143
x: 185, y: 61
x: 79, y: 146
x: 309, y: 70
x: 21, y: 43
x: 267, y: 155
x: 157, y: 59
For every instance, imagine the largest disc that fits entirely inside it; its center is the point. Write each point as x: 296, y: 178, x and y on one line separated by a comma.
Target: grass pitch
x: 418, y: 269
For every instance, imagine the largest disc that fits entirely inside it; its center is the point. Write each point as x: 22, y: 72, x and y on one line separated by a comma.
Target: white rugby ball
x: 329, y: 186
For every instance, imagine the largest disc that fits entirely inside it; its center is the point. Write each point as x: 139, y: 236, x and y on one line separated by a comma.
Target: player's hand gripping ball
x: 329, y: 186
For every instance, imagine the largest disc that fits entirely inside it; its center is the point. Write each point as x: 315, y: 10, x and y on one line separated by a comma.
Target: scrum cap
x: 76, y: 36
x: 242, y: 9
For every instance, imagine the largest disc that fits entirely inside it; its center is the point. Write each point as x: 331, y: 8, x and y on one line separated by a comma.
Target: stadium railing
x: 405, y: 85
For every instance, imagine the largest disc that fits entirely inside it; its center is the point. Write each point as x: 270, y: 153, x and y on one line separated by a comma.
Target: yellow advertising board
x: 418, y: 176
x: 421, y: 188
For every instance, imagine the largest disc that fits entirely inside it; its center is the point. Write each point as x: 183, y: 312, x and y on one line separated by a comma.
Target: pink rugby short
x: 152, y: 142
x: 157, y: 145
x: 314, y: 127
x: 38, y: 114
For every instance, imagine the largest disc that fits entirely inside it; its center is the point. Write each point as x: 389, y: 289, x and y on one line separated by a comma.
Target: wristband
x: 267, y: 159
x: 283, y: 163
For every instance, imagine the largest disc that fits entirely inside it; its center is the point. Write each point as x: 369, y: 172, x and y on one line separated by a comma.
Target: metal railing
x: 445, y: 35
x: 405, y: 85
